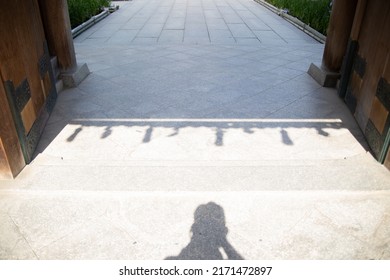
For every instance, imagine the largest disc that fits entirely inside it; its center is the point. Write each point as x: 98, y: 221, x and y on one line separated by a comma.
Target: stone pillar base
x: 324, y: 77
x: 74, y: 78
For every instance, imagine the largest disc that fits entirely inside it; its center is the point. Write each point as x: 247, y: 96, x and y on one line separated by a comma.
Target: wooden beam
x: 56, y: 22
x: 339, y: 30
x: 11, y: 156
x: 358, y: 19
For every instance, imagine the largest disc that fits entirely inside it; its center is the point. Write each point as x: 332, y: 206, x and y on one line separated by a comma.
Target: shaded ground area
x: 198, y: 134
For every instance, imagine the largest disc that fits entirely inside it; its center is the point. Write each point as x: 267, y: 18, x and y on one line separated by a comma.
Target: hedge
x: 82, y: 10
x: 315, y: 13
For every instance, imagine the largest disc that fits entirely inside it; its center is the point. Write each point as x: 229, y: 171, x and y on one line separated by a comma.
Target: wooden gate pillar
x: 56, y: 22
x: 11, y: 156
x: 339, y: 30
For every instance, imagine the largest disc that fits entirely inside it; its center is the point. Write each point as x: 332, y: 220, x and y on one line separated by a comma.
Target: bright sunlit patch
x: 215, y: 120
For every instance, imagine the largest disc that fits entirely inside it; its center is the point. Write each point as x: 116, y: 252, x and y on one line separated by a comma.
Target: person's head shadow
x: 208, y: 240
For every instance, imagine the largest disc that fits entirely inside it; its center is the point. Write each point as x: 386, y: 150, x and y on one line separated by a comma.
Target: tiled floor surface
x: 194, y: 22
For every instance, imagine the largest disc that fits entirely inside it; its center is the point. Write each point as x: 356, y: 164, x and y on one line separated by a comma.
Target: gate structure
x: 32, y: 33
x: 358, y: 51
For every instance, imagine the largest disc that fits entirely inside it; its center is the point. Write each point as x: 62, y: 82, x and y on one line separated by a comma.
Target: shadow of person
x: 208, y: 240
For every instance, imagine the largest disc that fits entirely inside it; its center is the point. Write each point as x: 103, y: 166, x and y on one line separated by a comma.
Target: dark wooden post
x: 352, y: 48
x: 55, y: 17
x: 57, y: 27
x: 339, y: 30
x: 11, y: 156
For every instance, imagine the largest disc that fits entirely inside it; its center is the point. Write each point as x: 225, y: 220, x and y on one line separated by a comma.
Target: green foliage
x: 315, y: 13
x: 81, y: 10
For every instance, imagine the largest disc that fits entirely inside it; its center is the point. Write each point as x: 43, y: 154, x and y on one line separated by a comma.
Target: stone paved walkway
x: 198, y: 115
x: 194, y: 22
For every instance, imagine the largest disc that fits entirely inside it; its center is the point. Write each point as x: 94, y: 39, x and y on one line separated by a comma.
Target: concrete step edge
x: 61, y: 161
